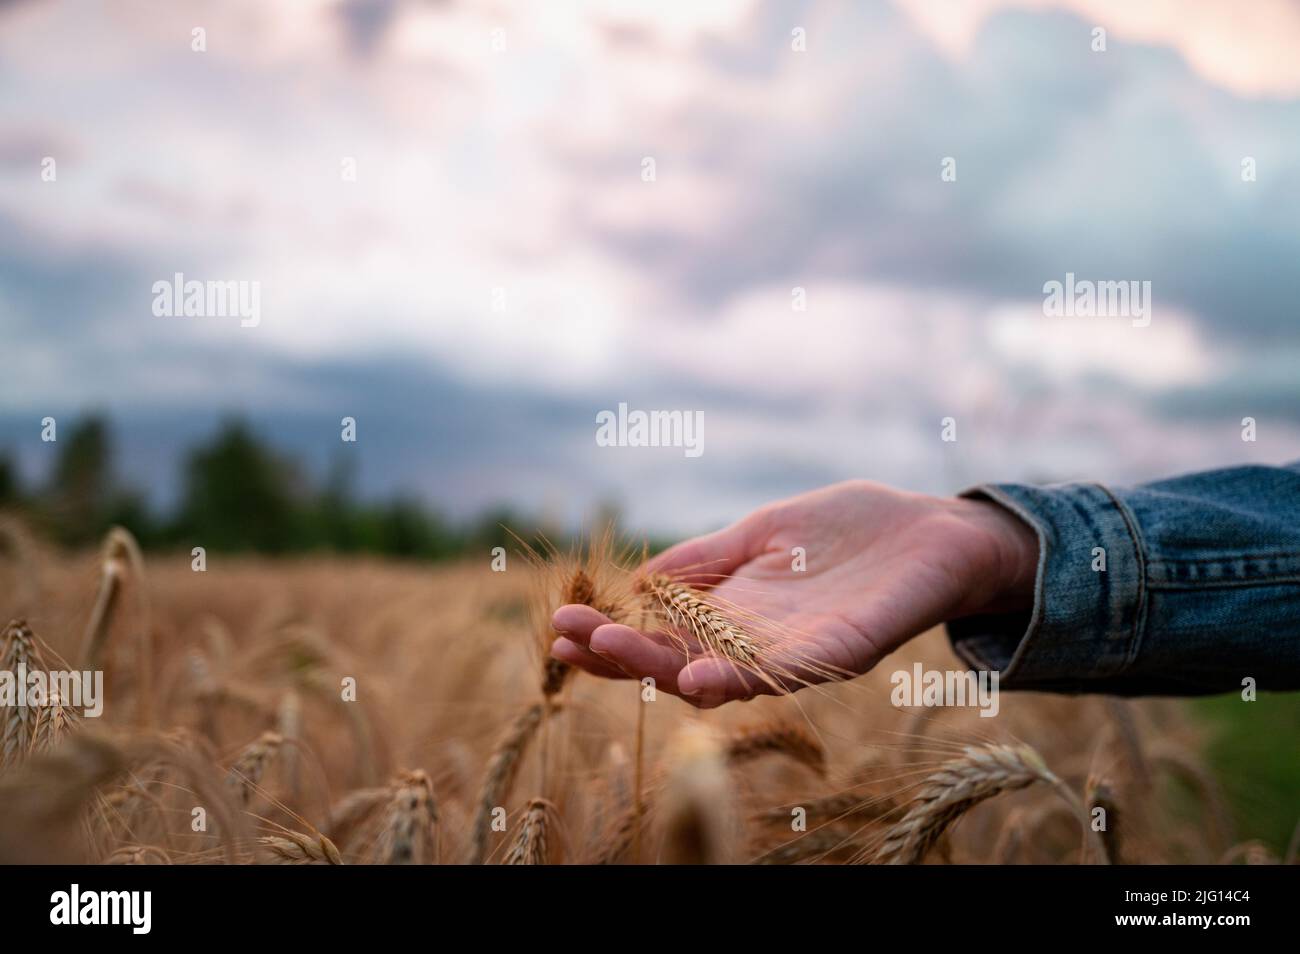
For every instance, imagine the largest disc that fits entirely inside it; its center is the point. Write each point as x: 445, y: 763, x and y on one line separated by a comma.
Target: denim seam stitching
x: 1139, y: 613
x: 1227, y: 584
x: 1285, y: 555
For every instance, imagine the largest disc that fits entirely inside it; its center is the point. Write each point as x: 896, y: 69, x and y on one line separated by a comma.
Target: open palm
x: 841, y: 576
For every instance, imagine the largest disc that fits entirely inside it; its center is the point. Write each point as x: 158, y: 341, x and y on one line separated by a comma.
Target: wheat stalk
x: 1100, y: 793
x: 529, y: 846
x: 112, y: 572
x: 699, y: 827
x: 502, y: 767
x: 1183, y: 765
x: 289, y: 724
x: 409, y: 830
x: 618, y: 838
x: 354, y: 810
x: 813, y: 845
x: 785, y: 738
x: 121, y: 558
x: 832, y: 808
x: 954, y: 789
x: 1124, y: 722
x: 690, y: 610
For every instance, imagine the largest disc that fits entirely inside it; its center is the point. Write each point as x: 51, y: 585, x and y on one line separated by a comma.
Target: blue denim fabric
x: 1201, y: 587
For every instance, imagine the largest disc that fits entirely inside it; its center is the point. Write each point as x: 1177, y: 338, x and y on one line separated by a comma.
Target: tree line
x: 237, y: 493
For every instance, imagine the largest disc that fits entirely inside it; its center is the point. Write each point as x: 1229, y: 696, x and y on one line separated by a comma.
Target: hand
x: 882, y: 566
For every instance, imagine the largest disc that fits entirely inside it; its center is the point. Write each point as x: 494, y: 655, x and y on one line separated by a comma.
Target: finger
x: 577, y: 622
x: 707, y: 559
x: 711, y: 682
x: 639, y: 656
x: 566, y: 650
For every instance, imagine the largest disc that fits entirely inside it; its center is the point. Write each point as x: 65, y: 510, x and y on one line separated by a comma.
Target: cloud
x: 1246, y: 49
x: 499, y: 271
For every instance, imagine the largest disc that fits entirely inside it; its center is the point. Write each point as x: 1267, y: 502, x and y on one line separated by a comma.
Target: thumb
x: 704, y: 561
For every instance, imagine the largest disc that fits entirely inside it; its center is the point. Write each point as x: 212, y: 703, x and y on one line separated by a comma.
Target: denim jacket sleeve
x: 1179, y: 587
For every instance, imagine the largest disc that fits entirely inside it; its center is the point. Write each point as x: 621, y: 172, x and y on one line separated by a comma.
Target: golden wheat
x: 788, y: 738
x: 21, y: 651
x: 444, y: 660
x: 1099, y: 795
x: 699, y: 825
x: 691, y: 611
x: 250, y: 766
x: 530, y: 843
x: 956, y: 787
x: 409, y: 830
x: 292, y: 848
x: 503, y: 766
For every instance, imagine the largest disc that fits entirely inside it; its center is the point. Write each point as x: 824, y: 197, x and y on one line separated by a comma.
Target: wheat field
x: 355, y: 711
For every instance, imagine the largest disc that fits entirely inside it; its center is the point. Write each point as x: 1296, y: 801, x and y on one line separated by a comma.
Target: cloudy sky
x: 500, y: 271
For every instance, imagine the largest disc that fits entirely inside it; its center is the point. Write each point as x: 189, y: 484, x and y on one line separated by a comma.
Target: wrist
x: 1009, y: 567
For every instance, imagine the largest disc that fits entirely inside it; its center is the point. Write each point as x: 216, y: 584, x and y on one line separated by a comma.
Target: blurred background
x: 499, y: 269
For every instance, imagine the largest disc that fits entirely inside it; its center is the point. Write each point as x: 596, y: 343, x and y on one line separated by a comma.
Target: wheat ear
x: 292, y: 848
x: 409, y: 832
x: 138, y: 855
x: 530, y: 842
x: 578, y: 588
x: 20, y: 648
x: 502, y: 767
x: 113, y: 571
x: 690, y: 610
x: 1253, y: 852
x: 250, y: 766
x: 122, y: 558
x: 54, y: 721
x: 954, y: 789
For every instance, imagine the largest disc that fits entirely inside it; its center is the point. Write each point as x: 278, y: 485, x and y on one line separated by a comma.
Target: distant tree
x: 10, y: 487
x: 239, y: 495
x: 337, y: 519
x: 77, y: 496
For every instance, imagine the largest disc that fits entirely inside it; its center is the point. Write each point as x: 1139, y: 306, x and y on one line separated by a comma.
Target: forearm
x: 1182, y: 586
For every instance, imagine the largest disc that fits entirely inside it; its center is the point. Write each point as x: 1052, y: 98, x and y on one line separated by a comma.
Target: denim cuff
x: 1087, y: 622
